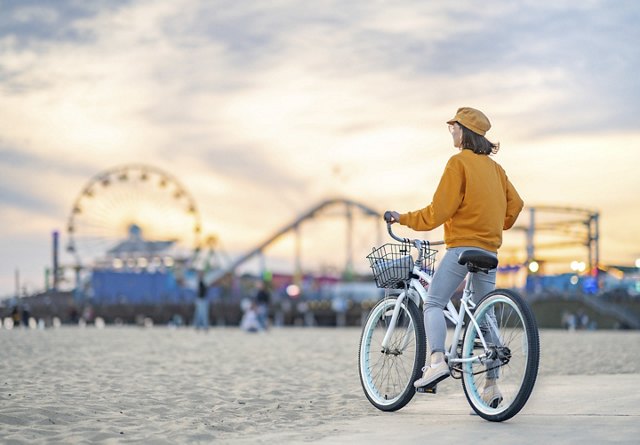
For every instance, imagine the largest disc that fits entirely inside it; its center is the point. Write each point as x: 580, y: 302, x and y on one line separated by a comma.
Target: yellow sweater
x: 474, y: 200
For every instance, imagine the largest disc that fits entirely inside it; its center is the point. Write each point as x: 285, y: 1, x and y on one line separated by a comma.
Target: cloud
x: 266, y: 108
x: 12, y: 196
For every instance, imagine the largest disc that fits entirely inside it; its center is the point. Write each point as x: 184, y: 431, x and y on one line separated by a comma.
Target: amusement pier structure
x: 163, y: 227
x: 163, y: 252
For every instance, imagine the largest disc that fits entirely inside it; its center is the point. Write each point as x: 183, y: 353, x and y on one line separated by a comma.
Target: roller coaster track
x: 589, y: 239
x: 309, y: 214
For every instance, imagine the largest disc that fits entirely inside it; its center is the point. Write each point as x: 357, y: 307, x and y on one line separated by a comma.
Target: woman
x: 475, y: 201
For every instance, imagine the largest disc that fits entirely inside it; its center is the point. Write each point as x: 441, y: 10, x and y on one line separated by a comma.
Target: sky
x: 262, y: 109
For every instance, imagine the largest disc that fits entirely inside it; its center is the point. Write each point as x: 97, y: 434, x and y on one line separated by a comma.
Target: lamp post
x: 532, y: 282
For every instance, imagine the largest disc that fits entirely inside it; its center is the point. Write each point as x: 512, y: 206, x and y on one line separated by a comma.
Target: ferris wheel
x: 134, y: 213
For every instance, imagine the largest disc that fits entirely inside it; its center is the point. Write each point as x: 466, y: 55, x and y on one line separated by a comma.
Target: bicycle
x: 500, y: 333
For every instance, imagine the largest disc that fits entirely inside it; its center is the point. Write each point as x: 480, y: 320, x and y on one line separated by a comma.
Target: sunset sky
x: 262, y: 109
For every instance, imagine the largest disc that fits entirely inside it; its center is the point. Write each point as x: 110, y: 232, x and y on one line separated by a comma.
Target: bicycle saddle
x: 477, y: 260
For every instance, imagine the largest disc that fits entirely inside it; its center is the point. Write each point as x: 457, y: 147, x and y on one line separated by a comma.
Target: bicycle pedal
x: 427, y: 389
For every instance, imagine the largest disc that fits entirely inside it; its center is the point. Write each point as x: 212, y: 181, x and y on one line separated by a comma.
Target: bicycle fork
x: 392, y: 325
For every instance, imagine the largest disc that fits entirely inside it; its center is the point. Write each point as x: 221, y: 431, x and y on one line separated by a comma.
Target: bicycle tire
x: 517, y: 349
x: 387, y: 376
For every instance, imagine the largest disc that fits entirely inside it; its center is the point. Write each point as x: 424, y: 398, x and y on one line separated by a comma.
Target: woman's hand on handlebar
x: 391, y: 216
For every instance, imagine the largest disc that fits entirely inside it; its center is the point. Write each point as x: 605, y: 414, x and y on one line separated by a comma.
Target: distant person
x: 74, y: 315
x: 26, y: 315
x: 583, y: 319
x: 475, y: 201
x: 88, y: 314
x: 569, y: 321
x: 340, y: 305
x: 263, y: 298
x: 250, y: 321
x: 201, y: 314
x: 16, y: 317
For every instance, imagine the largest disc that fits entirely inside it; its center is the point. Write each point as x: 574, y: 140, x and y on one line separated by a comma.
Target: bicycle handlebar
x: 389, y: 220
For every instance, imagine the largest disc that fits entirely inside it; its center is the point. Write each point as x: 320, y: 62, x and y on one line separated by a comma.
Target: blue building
x: 136, y: 271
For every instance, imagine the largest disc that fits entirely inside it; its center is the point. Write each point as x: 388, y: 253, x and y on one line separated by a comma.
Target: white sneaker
x: 492, y: 396
x: 433, y: 374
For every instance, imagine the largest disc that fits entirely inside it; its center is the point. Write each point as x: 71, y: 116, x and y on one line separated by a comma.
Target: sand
x: 289, y: 385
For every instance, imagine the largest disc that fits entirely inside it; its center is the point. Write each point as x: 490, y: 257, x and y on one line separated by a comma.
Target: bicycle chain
x: 459, y: 370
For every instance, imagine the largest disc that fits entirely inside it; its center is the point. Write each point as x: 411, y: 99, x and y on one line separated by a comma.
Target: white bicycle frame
x: 416, y: 290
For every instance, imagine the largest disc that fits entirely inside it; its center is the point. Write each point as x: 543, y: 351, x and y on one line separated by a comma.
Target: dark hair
x: 477, y: 143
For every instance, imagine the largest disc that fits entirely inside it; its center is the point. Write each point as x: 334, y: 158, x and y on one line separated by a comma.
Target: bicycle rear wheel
x: 511, y: 333
x: 387, y: 374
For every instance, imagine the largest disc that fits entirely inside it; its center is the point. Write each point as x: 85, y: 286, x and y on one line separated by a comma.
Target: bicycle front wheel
x: 387, y: 373
x: 498, y: 387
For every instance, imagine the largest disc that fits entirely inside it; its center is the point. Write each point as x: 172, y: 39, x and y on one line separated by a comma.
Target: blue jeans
x: 201, y: 315
x: 263, y: 313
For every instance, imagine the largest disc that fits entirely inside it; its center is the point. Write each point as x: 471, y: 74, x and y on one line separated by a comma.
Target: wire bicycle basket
x: 392, y: 264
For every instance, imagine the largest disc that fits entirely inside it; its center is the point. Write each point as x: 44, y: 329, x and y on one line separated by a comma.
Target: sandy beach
x: 289, y: 385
